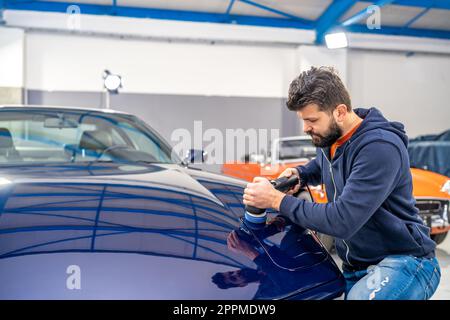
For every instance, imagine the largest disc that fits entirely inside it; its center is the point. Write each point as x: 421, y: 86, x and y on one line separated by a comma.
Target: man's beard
x: 324, y: 141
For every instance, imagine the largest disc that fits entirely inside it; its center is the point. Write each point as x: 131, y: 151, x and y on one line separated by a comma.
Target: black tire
x: 439, y: 238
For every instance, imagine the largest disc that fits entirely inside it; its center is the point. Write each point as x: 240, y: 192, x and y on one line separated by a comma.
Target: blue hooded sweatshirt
x: 371, y: 210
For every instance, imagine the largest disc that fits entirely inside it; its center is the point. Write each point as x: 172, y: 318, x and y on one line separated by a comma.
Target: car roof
x: 22, y: 106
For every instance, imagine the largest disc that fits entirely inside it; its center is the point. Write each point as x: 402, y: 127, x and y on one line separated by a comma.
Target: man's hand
x: 262, y: 194
x: 238, y: 245
x: 287, y: 173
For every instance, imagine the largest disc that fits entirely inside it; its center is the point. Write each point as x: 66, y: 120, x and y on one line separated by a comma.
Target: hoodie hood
x: 374, y: 119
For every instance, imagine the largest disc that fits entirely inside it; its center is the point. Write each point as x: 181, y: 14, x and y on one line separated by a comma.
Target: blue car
x: 94, y: 205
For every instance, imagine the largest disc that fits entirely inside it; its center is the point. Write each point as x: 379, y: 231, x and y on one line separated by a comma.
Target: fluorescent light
x: 336, y: 40
x: 4, y: 181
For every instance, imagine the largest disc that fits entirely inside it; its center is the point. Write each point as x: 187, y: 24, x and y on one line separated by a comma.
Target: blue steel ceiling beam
x: 433, y: 4
x: 2, y: 6
x: 230, y: 6
x: 136, y: 12
x: 269, y: 9
x: 363, y: 14
x: 417, y: 17
x: 400, y: 31
x: 330, y: 17
x: 114, y: 7
x: 350, y: 24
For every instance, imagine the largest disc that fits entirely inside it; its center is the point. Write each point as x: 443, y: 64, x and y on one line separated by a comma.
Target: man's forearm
x: 277, y: 198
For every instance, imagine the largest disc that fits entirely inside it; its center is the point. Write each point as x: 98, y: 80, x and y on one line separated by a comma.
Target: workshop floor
x: 443, y: 254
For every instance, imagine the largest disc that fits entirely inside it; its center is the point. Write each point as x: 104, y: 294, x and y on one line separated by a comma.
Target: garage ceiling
x: 419, y: 18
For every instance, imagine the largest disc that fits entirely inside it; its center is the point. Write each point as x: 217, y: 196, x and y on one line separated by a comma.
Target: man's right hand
x: 287, y: 173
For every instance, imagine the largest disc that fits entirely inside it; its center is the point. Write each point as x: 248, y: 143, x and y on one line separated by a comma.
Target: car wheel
x: 439, y: 238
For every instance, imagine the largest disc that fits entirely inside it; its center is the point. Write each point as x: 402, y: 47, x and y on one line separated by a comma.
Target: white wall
x: 11, y: 57
x: 58, y: 62
x: 75, y: 63
x: 157, y: 28
x: 414, y: 90
x: 316, y: 56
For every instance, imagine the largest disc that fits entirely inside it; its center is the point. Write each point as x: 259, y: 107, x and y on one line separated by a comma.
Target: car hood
x: 111, y: 197
x: 161, y: 210
x: 428, y: 184
x: 135, y: 232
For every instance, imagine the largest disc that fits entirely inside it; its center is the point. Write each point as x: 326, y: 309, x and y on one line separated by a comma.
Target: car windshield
x: 295, y: 149
x: 39, y: 135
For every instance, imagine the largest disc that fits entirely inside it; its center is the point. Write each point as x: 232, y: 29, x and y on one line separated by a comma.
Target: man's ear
x: 340, y: 112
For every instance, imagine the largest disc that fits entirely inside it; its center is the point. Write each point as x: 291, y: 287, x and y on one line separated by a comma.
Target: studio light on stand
x: 111, y: 83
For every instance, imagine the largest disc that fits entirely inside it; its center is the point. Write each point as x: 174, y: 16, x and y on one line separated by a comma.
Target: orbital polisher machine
x: 255, y: 218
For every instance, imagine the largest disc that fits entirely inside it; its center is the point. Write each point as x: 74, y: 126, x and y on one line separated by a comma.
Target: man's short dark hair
x: 321, y: 86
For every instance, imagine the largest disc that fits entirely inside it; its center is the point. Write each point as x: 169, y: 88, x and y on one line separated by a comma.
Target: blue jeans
x: 397, y: 277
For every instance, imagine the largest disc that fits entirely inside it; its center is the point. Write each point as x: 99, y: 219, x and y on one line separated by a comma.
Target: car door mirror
x: 195, y: 156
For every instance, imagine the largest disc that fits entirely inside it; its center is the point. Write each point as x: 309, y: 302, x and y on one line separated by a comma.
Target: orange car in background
x: 431, y: 190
